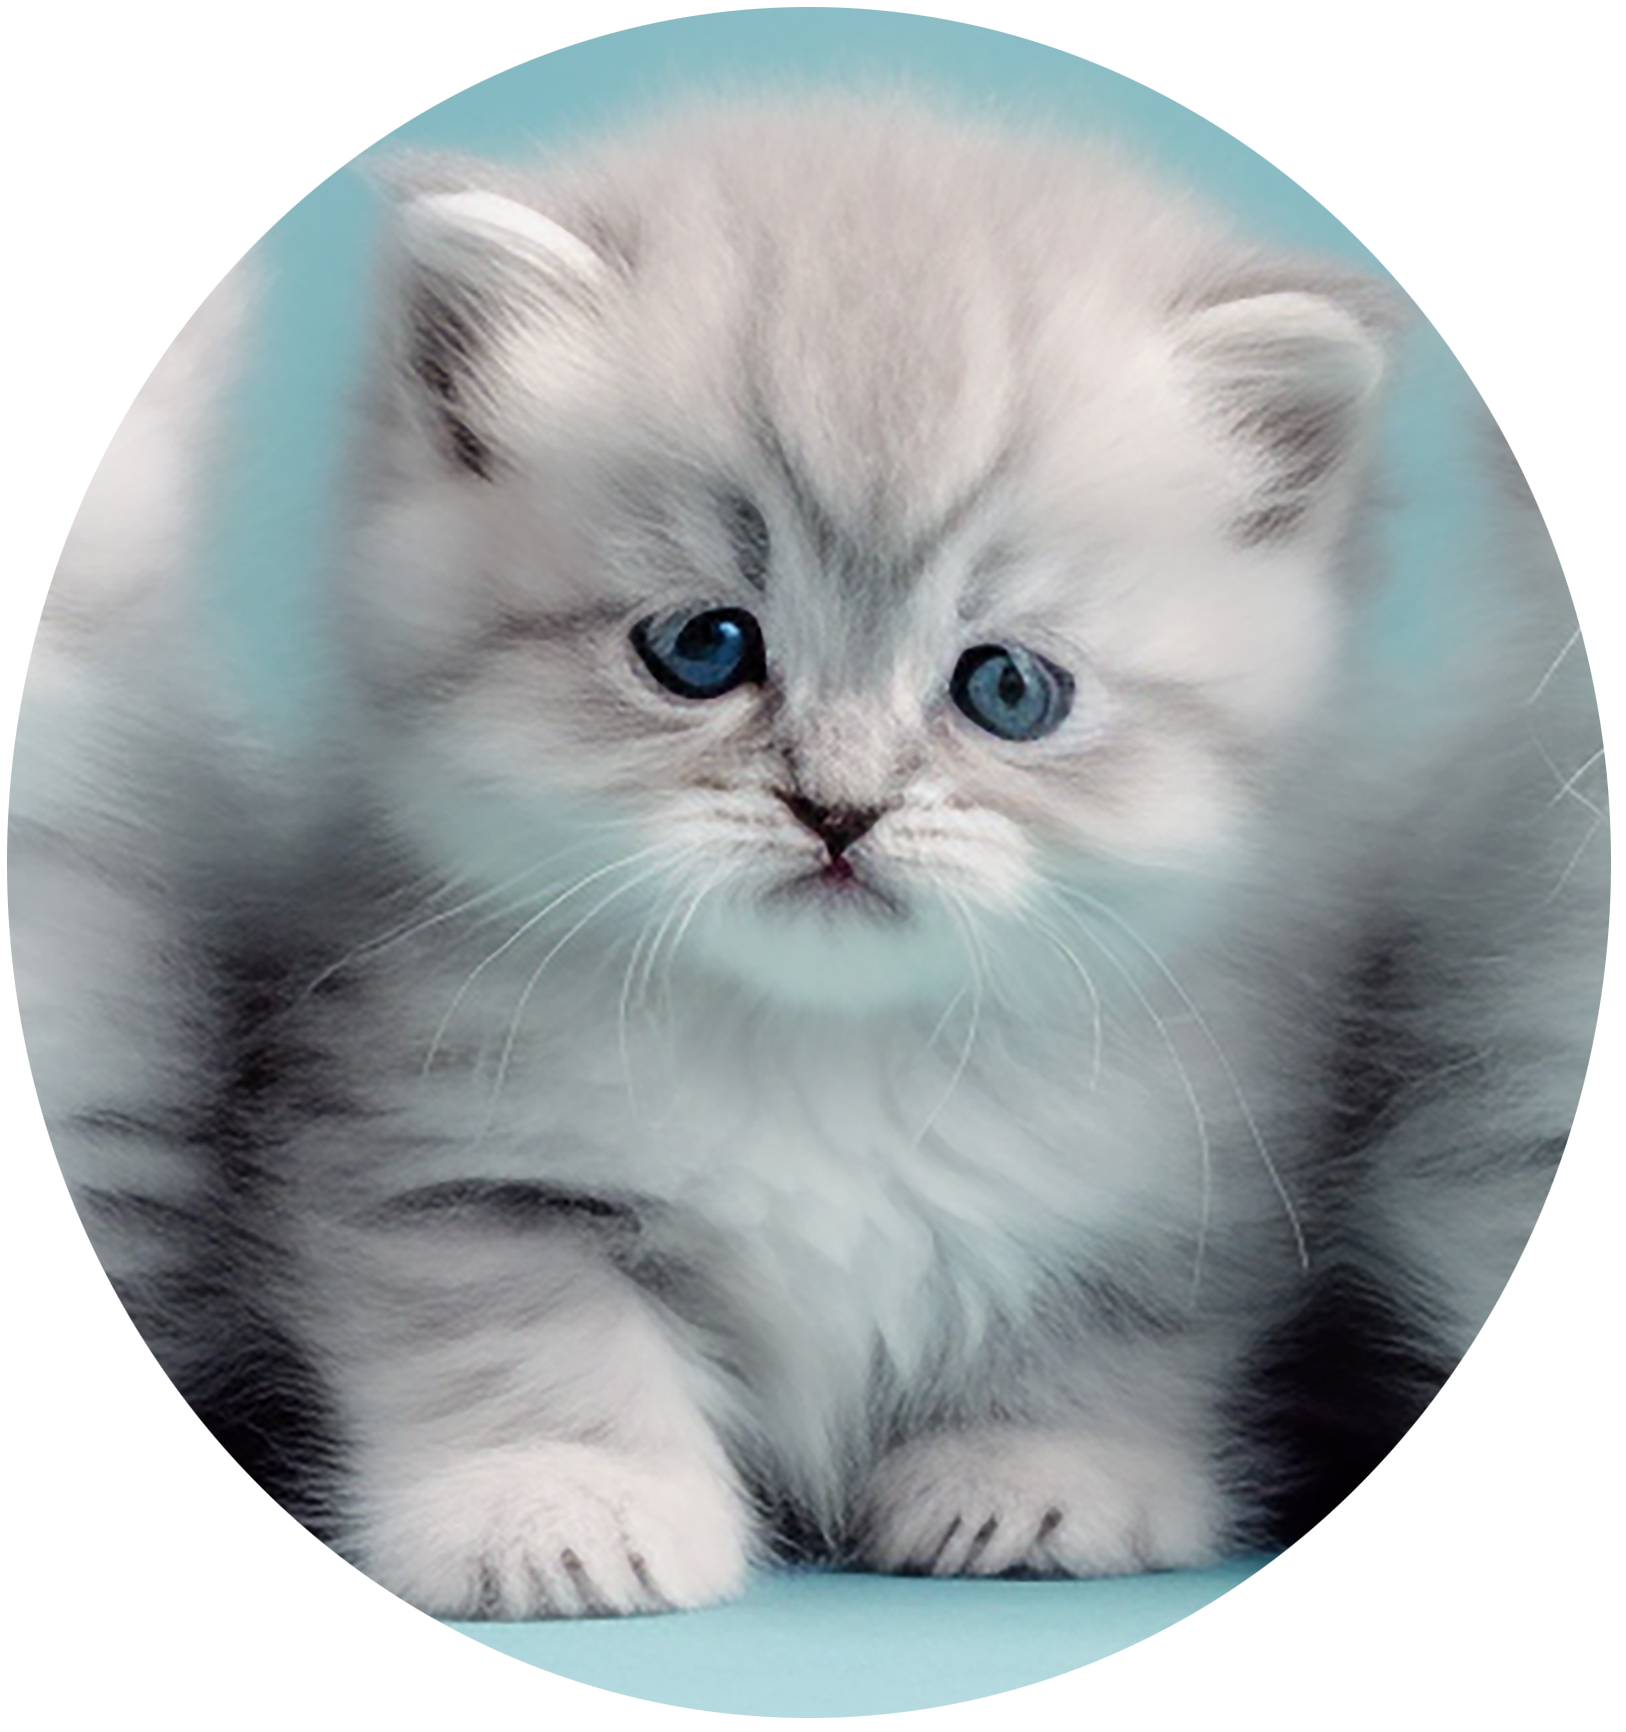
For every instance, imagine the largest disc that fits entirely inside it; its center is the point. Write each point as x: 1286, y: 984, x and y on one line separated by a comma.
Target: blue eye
x: 1012, y: 692
x: 702, y: 655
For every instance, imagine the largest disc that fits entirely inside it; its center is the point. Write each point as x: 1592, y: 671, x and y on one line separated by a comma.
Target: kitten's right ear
x: 480, y: 272
x: 1294, y: 376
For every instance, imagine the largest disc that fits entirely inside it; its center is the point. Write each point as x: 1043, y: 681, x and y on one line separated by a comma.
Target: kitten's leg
x: 993, y: 1499
x: 525, y: 1432
x: 1111, y: 1487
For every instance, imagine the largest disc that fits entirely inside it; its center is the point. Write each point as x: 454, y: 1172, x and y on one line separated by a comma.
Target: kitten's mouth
x: 839, y: 885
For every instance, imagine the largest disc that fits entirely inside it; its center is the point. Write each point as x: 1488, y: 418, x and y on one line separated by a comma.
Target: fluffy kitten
x: 137, y: 794
x: 108, y: 782
x: 888, y: 978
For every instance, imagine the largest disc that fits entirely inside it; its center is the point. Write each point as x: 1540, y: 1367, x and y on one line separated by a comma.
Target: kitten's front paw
x: 557, y: 1530
x: 998, y: 1499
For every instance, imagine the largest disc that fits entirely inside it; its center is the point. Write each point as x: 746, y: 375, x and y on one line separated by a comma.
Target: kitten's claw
x: 558, y: 1530
x: 1000, y: 1501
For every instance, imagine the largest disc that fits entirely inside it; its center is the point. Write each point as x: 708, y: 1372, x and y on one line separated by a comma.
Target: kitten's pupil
x: 710, y: 640
x: 748, y: 530
x: 1012, y: 687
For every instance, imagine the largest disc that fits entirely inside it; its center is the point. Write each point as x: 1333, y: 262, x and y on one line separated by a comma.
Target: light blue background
x: 800, y: 1643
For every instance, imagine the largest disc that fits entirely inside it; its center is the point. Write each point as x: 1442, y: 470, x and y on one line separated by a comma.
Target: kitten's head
x: 858, y: 514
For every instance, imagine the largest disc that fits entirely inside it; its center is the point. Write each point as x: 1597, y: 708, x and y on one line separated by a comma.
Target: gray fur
x: 639, y: 1193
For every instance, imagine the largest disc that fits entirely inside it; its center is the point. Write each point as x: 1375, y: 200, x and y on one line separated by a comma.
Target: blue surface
x: 802, y: 1642
x: 797, y: 1644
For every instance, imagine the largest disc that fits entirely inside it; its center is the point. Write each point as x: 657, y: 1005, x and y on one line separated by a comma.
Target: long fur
x: 643, y: 1188
x: 139, y: 798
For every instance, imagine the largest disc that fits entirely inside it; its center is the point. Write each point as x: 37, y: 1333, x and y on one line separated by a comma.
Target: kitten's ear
x: 479, y: 273
x: 1294, y: 377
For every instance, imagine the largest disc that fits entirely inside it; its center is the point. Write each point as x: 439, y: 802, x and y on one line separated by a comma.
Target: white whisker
x: 412, y: 928
x: 1218, y: 1051
x: 1083, y: 973
x: 537, y: 973
x: 1205, y: 1153
x: 723, y: 873
x: 943, y: 1021
x: 514, y: 938
x: 1552, y: 668
x: 1575, y: 859
x: 1570, y: 784
x: 652, y: 959
x: 975, y: 956
x: 623, y: 1009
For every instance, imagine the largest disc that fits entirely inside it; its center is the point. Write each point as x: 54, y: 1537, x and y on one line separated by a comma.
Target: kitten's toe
x: 999, y: 1500
x: 556, y: 1530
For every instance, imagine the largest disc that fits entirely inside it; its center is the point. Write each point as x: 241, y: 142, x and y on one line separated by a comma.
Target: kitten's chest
x: 882, y: 1156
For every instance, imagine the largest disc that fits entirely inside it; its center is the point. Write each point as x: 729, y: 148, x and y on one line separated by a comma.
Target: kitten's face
x: 845, y: 600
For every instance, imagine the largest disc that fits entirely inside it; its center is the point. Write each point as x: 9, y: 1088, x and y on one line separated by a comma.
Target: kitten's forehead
x: 885, y: 324
x: 875, y: 548
x: 882, y: 414
x: 850, y: 304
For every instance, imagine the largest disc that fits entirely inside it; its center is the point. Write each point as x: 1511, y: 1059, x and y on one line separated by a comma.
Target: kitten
x: 107, y: 778
x: 138, y: 792
x: 885, y: 963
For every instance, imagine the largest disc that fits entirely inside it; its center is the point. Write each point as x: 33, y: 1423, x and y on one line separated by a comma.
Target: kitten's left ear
x: 1293, y: 376
x: 480, y: 271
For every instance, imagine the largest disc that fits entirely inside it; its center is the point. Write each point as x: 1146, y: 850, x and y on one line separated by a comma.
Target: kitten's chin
x: 833, y: 946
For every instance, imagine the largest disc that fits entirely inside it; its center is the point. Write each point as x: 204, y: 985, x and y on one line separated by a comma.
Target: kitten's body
x: 116, y: 816
x: 801, y: 1112
x: 142, y: 804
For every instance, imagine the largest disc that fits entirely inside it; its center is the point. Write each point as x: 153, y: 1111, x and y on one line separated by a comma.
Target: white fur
x: 891, y: 1150
x: 462, y: 221
x: 658, y: 1188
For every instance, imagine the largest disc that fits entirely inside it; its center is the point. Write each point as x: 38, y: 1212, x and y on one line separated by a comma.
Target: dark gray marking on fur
x: 542, y: 1599
x: 129, y: 1209
x: 488, y: 1600
x: 748, y: 535
x: 930, y: 1562
x: 582, y: 1581
x: 506, y: 1202
x: 1272, y: 522
x: 1336, y: 1386
x: 854, y: 558
x: 646, y: 1581
x: 133, y: 1127
x: 1305, y: 435
x: 1051, y: 1520
x: 262, y: 1400
x: 446, y: 343
x: 959, y: 510
x: 1306, y: 441
x: 979, y: 1543
x: 816, y: 520
x: 1328, y: 1395
x: 1078, y: 1302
